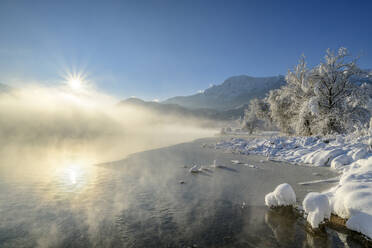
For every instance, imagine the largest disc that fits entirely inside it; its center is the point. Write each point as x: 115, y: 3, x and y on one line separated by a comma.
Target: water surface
x: 151, y: 200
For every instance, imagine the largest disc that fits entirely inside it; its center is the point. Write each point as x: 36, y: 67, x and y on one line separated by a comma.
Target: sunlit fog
x: 74, y: 124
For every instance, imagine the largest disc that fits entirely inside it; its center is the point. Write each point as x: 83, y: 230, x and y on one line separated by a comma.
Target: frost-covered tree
x: 262, y: 110
x: 340, y: 104
x: 289, y: 105
x: 367, y: 89
x: 257, y: 115
x: 279, y: 102
x: 301, y: 92
x: 250, y: 121
x: 322, y: 100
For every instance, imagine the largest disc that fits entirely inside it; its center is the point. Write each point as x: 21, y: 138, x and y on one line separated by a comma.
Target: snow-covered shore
x: 351, y: 156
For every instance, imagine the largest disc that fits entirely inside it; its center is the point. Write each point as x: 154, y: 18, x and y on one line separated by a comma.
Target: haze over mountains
x: 181, y: 111
x: 226, y: 101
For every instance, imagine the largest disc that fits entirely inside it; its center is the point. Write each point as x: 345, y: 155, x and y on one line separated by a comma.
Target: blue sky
x: 158, y: 49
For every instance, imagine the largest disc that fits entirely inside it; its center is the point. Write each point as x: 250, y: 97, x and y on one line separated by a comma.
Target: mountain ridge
x: 233, y: 92
x: 178, y: 110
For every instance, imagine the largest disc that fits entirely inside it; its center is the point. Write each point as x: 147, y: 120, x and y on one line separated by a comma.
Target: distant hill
x: 232, y: 93
x: 4, y: 88
x: 177, y: 110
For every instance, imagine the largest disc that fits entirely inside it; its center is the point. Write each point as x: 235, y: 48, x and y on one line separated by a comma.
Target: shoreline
x: 335, y: 221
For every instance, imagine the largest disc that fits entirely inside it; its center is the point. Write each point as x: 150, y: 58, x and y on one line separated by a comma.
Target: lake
x: 150, y: 199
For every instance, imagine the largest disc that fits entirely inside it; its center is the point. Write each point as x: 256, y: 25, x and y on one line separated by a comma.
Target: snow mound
x: 362, y: 223
x: 352, y: 197
x: 283, y: 195
x: 317, y: 207
x: 354, y: 191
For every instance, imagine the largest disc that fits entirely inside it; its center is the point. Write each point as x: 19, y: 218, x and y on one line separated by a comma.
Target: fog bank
x: 49, y: 125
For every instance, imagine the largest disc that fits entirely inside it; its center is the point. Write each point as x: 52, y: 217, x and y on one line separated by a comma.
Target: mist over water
x: 54, y: 123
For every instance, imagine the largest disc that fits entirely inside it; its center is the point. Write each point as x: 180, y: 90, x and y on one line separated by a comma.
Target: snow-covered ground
x: 351, y: 156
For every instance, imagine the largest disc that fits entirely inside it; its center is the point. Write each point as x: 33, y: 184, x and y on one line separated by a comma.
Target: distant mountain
x: 232, y: 93
x: 177, y: 110
x: 173, y: 109
x: 4, y: 88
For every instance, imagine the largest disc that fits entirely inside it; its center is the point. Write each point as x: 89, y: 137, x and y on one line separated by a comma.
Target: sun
x: 75, y: 80
x: 75, y: 83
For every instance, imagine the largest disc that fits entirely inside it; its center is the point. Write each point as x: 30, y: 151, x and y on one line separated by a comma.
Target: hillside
x: 232, y: 93
x: 177, y: 110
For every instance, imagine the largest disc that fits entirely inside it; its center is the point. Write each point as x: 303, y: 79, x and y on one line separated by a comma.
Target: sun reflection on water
x: 73, y: 176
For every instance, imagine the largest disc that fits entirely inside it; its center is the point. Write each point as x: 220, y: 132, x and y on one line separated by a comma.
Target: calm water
x: 141, y: 202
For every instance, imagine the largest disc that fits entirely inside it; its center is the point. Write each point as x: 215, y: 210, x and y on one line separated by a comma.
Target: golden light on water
x: 72, y: 174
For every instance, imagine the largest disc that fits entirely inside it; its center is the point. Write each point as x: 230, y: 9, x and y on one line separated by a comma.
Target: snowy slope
x: 233, y: 92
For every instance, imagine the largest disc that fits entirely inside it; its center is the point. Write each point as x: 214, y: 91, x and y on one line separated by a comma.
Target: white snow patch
x: 283, y: 195
x: 251, y: 166
x: 317, y: 207
x: 236, y: 162
x: 196, y: 169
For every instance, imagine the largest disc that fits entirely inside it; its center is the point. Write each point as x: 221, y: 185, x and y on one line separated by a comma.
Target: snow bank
x: 361, y: 222
x: 350, y: 156
x: 335, y: 152
x: 283, y: 195
x: 317, y: 208
x: 352, y: 197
